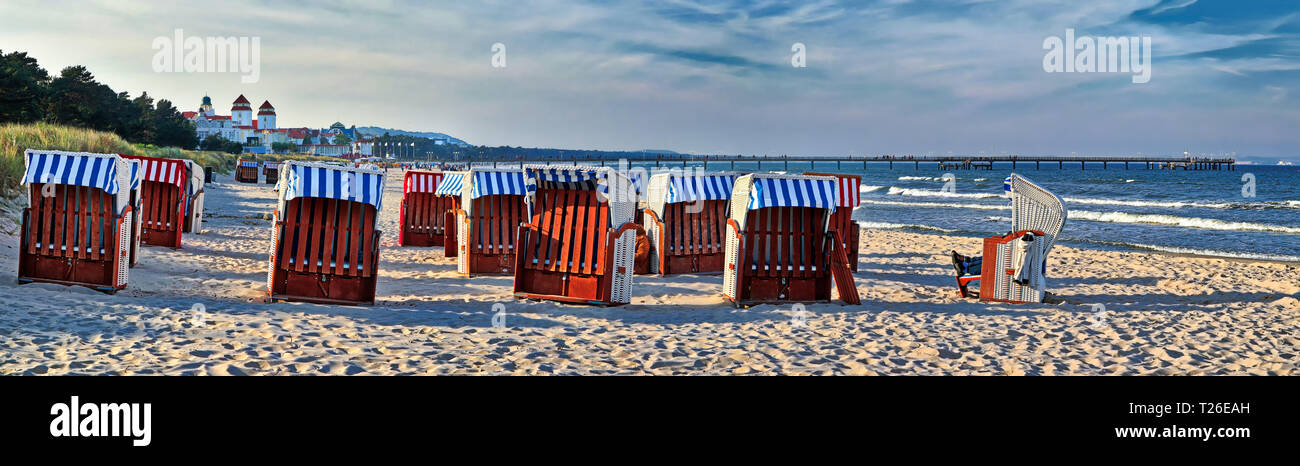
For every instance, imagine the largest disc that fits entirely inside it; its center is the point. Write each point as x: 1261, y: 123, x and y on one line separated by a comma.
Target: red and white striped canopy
x: 850, y: 194
x: 170, y: 171
x: 421, y: 182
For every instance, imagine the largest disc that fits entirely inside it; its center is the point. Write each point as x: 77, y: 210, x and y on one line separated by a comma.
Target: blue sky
x: 889, y: 76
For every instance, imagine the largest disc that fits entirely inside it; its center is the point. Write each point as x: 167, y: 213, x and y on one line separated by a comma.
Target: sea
x: 1252, y: 212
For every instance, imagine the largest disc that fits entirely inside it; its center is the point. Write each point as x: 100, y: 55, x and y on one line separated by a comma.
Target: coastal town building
x: 259, y: 132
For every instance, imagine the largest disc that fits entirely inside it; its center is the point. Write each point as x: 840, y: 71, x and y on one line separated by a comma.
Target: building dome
x: 207, y: 100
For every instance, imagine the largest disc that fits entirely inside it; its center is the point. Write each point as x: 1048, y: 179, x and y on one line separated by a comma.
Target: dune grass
x: 16, y: 138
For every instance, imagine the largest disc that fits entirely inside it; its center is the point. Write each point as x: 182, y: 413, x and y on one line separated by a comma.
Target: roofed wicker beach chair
x: 77, y: 226
x: 850, y: 196
x: 1013, y: 267
x: 780, y: 246
x: 194, y: 200
x: 446, y: 201
x: 686, y: 221
x: 271, y: 172
x: 136, y: 200
x: 324, y: 244
x: 488, y: 224
x: 424, y: 210
x: 246, y: 171
x: 579, y: 245
x: 164, y: 189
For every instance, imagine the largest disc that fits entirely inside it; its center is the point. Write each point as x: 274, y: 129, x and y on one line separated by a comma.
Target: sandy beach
x: 201, y: 310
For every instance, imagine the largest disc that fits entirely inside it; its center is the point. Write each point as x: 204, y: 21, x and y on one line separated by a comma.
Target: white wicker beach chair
x: 194, y: 208
x: 1014, y: 266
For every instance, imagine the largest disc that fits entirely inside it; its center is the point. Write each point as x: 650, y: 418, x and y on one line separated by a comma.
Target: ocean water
x: 1179, y: 211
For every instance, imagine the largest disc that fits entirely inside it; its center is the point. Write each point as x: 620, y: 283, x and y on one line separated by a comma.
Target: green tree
x: 22, y: 88
x: 217, y: 143
x: 76, y: 99
x: 142, y: 129
x: 173, y: 128
x: 342, y: 139
x: 284, y: 147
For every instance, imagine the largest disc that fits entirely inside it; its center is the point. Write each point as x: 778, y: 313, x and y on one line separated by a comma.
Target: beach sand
x: 201, y: 310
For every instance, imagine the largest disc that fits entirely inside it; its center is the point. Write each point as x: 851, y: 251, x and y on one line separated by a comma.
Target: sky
x: 881, y: 77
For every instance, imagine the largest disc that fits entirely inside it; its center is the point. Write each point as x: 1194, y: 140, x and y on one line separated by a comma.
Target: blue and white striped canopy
x: 699, y: 188
x: 246, y: 163
x: 787, y: 192
x: 135, y: 174
x: 72, y: 168
x: 330, y: 182
x: 487, y: 183
x: 451, y: 184
x: 564, y: 178
x: 639, y: 178
x: 1006, y: 186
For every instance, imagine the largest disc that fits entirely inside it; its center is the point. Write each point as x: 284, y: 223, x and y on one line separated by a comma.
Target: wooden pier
x: 942, y: 162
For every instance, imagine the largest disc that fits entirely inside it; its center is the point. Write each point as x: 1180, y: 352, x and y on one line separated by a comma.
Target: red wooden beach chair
x: 77, y: 229
x: 579, y: 244
x: 165, y: 198
x: 850, y: 197
x: 325, y: 247
x: 686, y: 221
x: 426, y: 205
x: 246, y: 171
x: 780, y: 247
x: 271, y: 171
x: 494, y: 207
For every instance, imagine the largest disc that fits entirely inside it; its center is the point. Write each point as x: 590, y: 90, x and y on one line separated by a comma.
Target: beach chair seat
x: 488, y: 225
x: 780, y: 248
x: 426, y: 203
x: 850, y: 196
x: 325, y: 244
x: 77, y: 227
x: 1013, y: 267
x: 579, y: 243
x: 246, y: 171
x: 685, y: 221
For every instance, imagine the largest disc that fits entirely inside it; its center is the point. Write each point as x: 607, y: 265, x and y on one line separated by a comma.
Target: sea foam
x: 1173, y: 220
